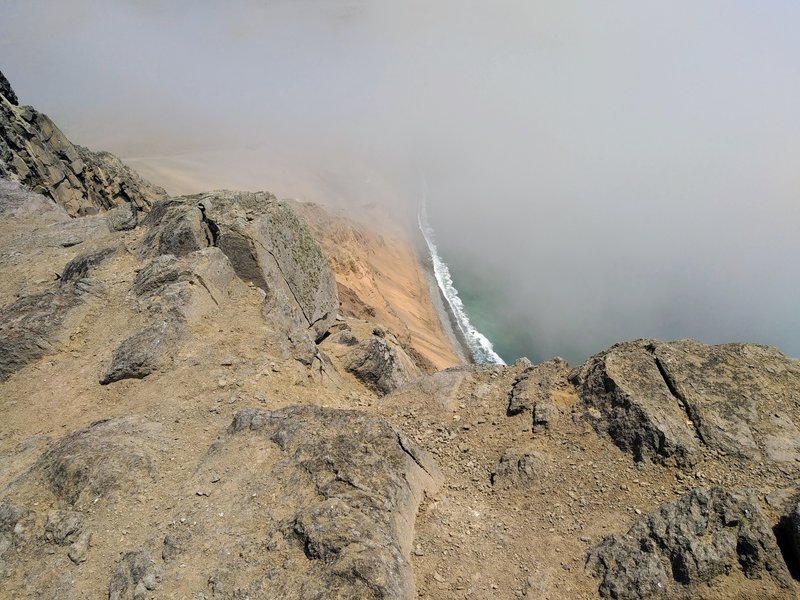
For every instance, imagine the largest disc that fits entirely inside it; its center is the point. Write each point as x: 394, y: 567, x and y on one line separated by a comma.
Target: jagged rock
x: 176, y: 227
x: 334, y: 495
x: 161, y: 271
x: 175, y: 544
x: 80, y: 266
x: 702, y: 535
x: 6, y: 91
x: 518, y: 468
x: 37, y: 153
x: 538, y: 390
x: 184, y: 288
x: 382, y: 364
x: 144, y: 352
x: 271, y: 246
x: 347, y: 338
x: 79, y: 549
x: 123, y: 218
x: 63, y: 527
x: 267, y: 245
x: 134, y: 576
x: 668, y: 401
x: 107, y: 457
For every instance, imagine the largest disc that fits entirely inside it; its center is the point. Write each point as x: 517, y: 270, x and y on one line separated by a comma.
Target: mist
x: 596, y: 172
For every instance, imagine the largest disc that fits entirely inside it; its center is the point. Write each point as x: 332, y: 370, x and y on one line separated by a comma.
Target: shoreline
x: 447, y: 319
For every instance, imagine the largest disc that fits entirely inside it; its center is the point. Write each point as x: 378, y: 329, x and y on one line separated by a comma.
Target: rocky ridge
x: 187, y: 414
x: 35, y: 152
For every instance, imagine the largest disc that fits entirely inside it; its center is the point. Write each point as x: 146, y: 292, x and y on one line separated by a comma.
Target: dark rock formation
x: 702, y: 535
x: 80, y: 266
x: 37, y: 153
x: 669, y: 401
x: 133, y: 577
x: 101, y: 460
x: 176, y: 227
x: 794, y: 530
x: 28, y: 328
x: 382, y: 364
x: 537, y: 391
x: 144, y: 352
x: 6, y: 91
x: 185, y: 288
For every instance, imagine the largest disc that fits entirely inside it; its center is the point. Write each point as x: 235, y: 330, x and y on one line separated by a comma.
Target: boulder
x: 705, y: 534
x: 382, y: 364
x: 671, y: 401
x: 145, y: 352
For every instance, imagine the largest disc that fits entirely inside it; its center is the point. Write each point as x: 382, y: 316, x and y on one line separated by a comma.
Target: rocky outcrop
x: 30, y: 326
x: 671, y: 401
x: 6, y: 91
x: 382, y: 364
x: 144, y: 352
x: 702, y: 535
x: 108, y: 457
x: 39, y: 155
x: 266, y: 244
x: 327, y: 513
x: 539, y: 391
x: 517, y: 468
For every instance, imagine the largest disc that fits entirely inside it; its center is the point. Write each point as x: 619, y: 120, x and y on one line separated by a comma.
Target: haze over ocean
x: 597, y: 172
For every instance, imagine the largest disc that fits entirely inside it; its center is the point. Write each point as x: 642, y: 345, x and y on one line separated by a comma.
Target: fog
x: 596, y: 171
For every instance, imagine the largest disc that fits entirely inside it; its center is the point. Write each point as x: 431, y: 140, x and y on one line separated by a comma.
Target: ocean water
x: 477, y: 343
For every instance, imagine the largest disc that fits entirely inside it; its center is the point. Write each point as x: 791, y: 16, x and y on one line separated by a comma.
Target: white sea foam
x: 479, y: 345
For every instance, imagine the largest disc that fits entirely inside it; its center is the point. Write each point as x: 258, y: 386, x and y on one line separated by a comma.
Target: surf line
x: 478, y: 344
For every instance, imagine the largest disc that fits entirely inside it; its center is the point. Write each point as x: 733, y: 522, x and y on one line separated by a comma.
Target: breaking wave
x: 478, y: 344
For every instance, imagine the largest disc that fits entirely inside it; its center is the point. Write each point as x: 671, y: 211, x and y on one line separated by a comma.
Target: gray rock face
x: 382, y: 364
x: 177, y: 227
x: 328, y: 512
x: 702, y: 535
x: 269, y: 245
x: 669, y: 401
x: 37, y: 153
x: 144, y: 352
x: 536, y: 391
x: 185, y: 288
x: 266, y: 244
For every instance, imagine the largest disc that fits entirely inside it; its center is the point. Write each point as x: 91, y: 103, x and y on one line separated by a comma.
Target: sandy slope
x: 380, y: 279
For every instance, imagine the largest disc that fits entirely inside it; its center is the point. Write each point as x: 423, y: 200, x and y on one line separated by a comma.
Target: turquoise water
x: 487, y: 312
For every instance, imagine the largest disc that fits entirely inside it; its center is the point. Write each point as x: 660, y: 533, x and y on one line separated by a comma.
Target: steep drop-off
x: 196, y: 405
